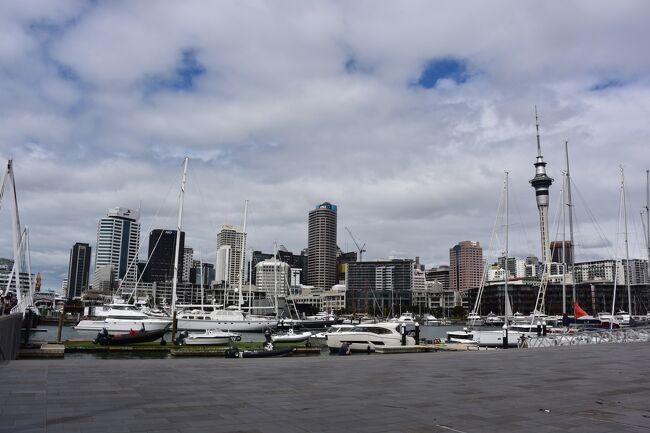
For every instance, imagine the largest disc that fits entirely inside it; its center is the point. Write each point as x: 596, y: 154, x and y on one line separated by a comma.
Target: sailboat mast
x: 569, y: 204
x: 564, y: 182
x: 647, y: 216
x: 243, y: 255
x: 505, y: 278
x: 627, y: 251
x: 275, y: 276
x: 179, y: 226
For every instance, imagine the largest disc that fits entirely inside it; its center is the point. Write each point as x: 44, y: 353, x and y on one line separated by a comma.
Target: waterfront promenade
x: 603, y: 388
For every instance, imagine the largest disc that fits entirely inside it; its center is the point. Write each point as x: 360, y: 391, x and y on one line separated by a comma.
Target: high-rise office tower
x: 465, y: 265
x: 78, y: 270
x: 321, y: 265
x: 229, y: 255
x: 188, y: 257
x: 541, y: 182
x: 118, y: 238
x: 162, y: 249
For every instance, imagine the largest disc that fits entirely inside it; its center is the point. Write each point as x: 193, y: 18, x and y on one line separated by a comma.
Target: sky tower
x: 541, y: 182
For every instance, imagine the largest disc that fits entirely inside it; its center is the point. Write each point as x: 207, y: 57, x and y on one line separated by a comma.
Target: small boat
x: 475, y: 320
x: 132, y: 337
x: 431, y: 320
x: 494, y: 320
x: 291, y: 337
x: 233, y: 352
x: 211, y: 337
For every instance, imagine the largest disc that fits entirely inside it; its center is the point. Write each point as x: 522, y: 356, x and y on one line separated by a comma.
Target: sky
x: 403, y: 114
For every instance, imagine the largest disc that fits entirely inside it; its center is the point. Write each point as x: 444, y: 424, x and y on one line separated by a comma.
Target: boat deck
x: 596, y: 388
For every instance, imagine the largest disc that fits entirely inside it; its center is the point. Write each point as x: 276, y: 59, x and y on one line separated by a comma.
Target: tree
x: 459, y: 312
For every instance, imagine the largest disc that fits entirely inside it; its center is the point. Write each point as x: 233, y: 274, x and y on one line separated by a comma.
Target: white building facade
x: 118, y: 241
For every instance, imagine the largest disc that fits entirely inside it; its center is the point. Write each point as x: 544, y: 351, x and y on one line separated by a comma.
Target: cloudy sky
x: 404, y: 114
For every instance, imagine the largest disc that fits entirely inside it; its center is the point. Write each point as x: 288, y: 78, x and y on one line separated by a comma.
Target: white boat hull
x: 361, y: 341
x: 122, y: 325
x: 291, y: 338
x: 233, y: 326
x: 206, y: 341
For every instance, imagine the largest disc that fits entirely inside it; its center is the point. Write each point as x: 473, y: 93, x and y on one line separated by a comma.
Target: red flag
x: 577, y: 311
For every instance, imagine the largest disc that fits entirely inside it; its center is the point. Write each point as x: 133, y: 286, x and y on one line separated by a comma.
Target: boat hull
x: 106, y: 339
x: 291, y: 338
x: 226, y: 325
x: 123, y: 325
x: 364, y: 341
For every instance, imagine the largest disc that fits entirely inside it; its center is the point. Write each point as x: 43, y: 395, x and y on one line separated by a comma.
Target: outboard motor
x: 181, y: 338
x: 232, y: 352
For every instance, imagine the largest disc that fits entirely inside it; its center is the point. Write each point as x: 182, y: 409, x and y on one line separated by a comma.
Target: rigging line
x: 520, y: 221
x: 557, y: 222
x: 137, y: 254
x: 599, y: 231
x: 637, y: 242
x: 479, y: 294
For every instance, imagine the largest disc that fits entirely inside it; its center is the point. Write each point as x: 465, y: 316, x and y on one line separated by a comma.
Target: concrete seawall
x: 10, y: 336
x: 600, y: 388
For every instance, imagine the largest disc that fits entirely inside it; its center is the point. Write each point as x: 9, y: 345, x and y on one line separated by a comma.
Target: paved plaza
x: 594, y: 389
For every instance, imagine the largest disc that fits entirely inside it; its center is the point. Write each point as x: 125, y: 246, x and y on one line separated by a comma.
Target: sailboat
x: 233, y: 318
x: 493, y: 338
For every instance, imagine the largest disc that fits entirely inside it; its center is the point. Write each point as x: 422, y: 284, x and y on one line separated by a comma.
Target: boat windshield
x: 371, y: 329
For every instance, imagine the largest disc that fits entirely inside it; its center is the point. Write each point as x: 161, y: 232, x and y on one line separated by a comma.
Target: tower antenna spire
x: 539, y: 146
x: 541, y: 183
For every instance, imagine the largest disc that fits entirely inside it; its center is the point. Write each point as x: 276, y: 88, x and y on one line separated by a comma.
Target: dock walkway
x: 600, y: 388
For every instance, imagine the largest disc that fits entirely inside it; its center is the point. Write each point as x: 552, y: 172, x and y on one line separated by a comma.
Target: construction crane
x: 361, y: 248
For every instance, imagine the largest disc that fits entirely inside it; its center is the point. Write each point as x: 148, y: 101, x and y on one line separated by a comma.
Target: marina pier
x: 595, y: 388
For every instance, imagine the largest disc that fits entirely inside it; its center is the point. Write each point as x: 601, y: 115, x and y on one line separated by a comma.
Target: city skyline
x: 405, y: 118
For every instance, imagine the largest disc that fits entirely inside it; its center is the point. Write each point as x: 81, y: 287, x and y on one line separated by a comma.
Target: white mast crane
x: 361, y: 248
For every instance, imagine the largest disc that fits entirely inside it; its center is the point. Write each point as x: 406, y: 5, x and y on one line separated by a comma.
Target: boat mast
x: 564, y: 180
x: 570, y: 206
x: 243, y: 254
x: 627, y: 251
x: 647, y: 216
x: 179, y: 225
x: 275, y: 276
x: 505, y: 278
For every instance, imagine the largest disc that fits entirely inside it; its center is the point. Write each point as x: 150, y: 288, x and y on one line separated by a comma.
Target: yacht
x: 367, y: 337
x: 320, y: 320
x: 475, y: 320
x: 229, y: 319
x: 123, y: 318
x: 213, y: 337
x: 431, y: 320
x: 494, y: 320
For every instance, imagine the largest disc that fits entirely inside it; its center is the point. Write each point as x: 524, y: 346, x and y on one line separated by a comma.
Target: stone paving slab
x: 593, y: 389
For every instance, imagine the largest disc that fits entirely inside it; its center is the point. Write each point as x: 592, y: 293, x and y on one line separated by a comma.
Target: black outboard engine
x: 181, y: 338
x: 232, y: 352
x: 102, y: 337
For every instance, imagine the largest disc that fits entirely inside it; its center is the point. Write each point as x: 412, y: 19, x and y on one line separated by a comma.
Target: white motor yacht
x: 291, y: 337
x: 228, y: 319
x: 367, y: 337
x: 123, y: 318
x: 431, y: 320
x: 475, y: 320
x: 214, y: 337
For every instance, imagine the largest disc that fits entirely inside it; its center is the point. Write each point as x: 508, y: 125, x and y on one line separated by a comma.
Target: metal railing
x: 601, y: 336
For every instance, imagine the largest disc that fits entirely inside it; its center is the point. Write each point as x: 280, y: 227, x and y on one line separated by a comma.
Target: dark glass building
x: 162, y: 248
x: 78, y: 270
